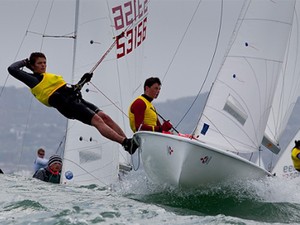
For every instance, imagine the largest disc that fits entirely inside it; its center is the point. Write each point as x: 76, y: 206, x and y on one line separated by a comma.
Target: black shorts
x: 70, y: 103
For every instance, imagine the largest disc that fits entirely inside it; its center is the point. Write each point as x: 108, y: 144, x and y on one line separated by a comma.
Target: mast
x: 73, y: 69
x: 75, y: 38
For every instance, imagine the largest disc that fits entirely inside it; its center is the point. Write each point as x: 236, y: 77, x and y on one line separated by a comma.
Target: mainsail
x: 239, y: 103
x: 88, y: 157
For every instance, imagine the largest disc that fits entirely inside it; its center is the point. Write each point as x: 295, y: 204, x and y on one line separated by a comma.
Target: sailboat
x: 120, y: 27
x: 231, y: 127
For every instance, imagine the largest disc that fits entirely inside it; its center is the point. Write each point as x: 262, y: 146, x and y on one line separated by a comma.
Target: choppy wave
x: 271, y: 200
x: 25, y: 200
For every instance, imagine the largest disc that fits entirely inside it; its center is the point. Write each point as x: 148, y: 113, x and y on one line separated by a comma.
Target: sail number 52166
x: 131, y: 17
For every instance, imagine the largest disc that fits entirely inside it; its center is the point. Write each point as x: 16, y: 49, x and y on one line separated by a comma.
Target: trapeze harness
x: 45, y: 92
x: 49, y: 84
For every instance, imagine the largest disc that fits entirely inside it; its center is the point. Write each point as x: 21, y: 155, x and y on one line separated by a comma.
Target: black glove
x: 86, y: 78
x: 27, y: 64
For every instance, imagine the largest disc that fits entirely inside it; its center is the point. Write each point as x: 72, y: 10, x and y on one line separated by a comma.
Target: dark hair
x: 40, y: 150
x: 150, y: 81
x: 297, y: 144
x: 33, y: 57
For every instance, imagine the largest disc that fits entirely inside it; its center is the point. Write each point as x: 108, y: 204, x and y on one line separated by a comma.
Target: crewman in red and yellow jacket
x: 142, y: 113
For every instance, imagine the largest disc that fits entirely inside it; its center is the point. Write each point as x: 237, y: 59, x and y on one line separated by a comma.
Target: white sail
x: 237, y: 110
x: 89, y: 158
x: 287, y: 90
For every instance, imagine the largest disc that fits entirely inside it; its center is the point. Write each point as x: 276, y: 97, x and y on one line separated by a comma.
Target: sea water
x: 135, y: 200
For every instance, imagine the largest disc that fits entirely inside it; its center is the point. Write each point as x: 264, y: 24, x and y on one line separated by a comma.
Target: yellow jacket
x: 49, y: 84
x: 150, y: 117
x: 295, y: 159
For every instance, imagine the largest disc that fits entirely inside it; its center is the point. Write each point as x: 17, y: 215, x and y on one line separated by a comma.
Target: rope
x: 80, y: 84
x: 185, y: 32
x: 30, y: 106
x: 135, y: 168
x: 96, y: 178
x: 109, y: 99
x: 23, y: 139
x: 48, y: 17
x: 209, y: 68
x: 20, y: 46
x: 106, y: 53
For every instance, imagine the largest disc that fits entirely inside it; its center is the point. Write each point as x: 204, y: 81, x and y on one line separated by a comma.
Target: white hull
x: 179, y: 161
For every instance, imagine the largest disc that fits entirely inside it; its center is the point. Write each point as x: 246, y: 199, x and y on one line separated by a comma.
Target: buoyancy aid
x: 150, y: 117
x: 49, y: 84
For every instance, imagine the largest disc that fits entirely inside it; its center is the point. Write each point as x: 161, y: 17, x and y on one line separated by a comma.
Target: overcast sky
x: 178, y: 49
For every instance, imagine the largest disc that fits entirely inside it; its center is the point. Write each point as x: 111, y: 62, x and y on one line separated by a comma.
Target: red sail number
x: 124, y: 17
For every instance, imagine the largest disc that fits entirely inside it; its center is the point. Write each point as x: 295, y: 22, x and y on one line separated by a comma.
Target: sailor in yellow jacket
x: 296, y: 155
x: 53, y: 91
x: 142, y: 114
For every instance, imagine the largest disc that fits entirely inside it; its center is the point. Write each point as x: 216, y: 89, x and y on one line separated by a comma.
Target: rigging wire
x: 114, y: 104
x: 88, y: 172
x: 18, y: 51
x: 41, y: 46
x: 46, y: 25
x: 25, y: 132
x: 21, y: 44
x: 30, y: 105
x: 211, y: 62
x: 184, y: 34
x: 134, y: 21
x: 237, y: 26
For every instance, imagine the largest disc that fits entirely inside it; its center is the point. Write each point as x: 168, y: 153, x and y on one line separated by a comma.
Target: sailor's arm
x: 16, y: 70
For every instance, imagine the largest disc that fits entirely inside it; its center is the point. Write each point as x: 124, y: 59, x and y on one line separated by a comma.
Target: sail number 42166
x: 130, y: 18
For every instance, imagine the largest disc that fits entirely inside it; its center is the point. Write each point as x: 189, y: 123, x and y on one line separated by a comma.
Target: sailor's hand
x: 166, y: 126
x: 86, y: 77
x: 27, y: 64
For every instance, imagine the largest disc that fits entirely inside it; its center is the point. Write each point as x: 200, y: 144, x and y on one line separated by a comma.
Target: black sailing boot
x: 130, y: 145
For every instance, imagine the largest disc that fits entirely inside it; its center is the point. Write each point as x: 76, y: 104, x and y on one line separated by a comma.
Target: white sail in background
x: 89, y: 158
x: 288, y: 89
x: 238, y: 106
